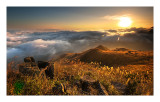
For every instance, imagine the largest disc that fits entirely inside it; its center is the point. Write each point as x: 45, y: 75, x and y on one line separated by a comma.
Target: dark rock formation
x: 29, y: 59
x: 42, y: 64
x: 59, y: 89
x: 87, y: 81
x: 119, y: 86
x: 49, y: 70
x: 29, y: 67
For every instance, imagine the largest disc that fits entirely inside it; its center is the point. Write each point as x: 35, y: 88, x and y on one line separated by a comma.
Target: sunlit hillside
x: 97, y: 71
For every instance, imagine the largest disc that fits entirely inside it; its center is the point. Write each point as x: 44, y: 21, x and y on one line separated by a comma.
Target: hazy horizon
x: 47, y: 31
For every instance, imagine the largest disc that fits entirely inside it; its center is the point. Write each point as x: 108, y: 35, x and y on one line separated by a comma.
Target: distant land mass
x: 115, y: 57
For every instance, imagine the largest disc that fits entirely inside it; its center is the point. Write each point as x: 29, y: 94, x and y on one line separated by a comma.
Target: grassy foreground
x: 122, y: 80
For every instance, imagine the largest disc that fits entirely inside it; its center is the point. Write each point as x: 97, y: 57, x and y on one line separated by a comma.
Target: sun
x: 125, y: 22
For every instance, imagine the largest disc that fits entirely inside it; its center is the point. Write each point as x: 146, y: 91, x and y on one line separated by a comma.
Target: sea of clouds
x: 46, y: 45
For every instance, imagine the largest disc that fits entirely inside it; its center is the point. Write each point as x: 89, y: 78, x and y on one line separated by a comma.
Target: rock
x: 29, y: 59
x: 29, y: 69
x: 86, y: 82
x: 119, y: 86
x: 102, y: 90
x: 130, y: 52
x: 42, y: 64
x: 49, y: 71
x: 59, y: 89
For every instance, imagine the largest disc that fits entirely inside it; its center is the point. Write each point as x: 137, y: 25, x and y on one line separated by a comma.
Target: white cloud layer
x: 45, y: 45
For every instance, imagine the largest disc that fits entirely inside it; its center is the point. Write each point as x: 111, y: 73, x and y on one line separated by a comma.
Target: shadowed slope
x: 113, y: 58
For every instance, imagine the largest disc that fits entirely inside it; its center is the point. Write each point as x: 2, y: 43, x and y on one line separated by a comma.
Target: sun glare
x: 125, y: 22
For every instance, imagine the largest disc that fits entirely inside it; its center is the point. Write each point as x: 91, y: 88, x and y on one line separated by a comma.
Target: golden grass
x: 142, y: 75
x: 123, y: 80
x: 115, y: 58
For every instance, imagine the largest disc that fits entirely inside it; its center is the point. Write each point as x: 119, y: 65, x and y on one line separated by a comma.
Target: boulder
x: 86, y: 82
x: 59, y: 89
x: 42, y: 64
x: 29, y: 59
x: 29, y: 69
x: 49, y: 71
x: 101, y: 88
x: 119, y: 86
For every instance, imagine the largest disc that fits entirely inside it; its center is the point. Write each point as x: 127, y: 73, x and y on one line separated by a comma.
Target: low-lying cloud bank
x: 45, y: 45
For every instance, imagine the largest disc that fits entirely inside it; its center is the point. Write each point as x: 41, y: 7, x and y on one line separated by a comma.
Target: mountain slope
x: 116, y: 57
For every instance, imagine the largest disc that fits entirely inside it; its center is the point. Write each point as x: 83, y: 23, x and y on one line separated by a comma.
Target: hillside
x: 115, y: 57
x: 97, y: 71
x: 101, y: 47
x: 121, y: 49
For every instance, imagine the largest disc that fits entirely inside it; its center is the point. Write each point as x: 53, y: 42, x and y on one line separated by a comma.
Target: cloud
x: 16, y: 38
x: 39, y: 48
x: 12, y: 43
x: 142, y: 33
x: 45, y: 45
x: 114, y: 31
x: 115, y: 17
x: 137, y: 30
x: 109, y: 17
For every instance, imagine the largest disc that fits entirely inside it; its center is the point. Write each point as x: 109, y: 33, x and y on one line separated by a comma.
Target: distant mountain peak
x: 102, y: 47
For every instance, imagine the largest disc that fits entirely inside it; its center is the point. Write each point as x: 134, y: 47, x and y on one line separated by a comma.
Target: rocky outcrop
x: 29, y: 59
x: 42, y: 64
x: 29, y: 67
x: 87, y: 81
x: 84, y: 86
x: 49, y: 70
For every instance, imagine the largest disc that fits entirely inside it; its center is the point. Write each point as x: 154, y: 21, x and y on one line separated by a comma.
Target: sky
x: 76, y: 18
x: 46, y: 32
